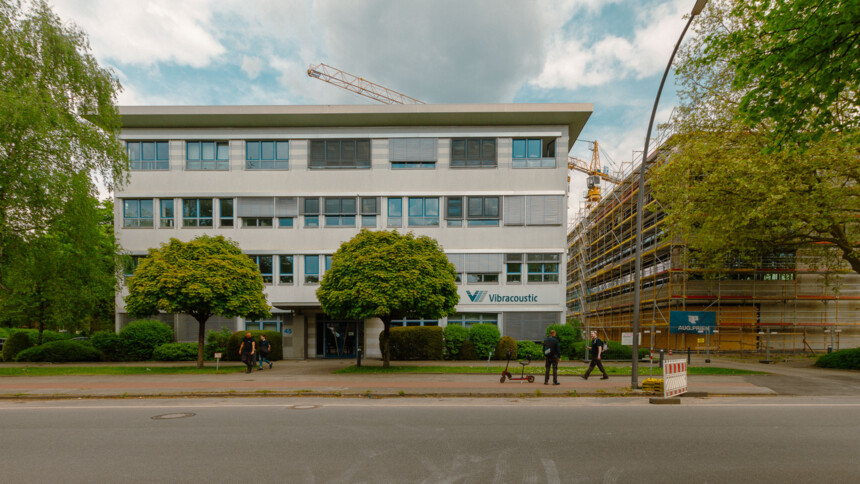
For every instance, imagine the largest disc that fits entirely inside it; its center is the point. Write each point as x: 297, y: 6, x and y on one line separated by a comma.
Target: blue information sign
x: 696, y: 322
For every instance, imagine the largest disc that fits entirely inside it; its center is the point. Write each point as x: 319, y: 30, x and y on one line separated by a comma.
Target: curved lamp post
x: 640, y: 204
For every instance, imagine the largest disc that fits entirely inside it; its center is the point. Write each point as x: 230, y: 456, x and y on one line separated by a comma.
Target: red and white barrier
x: 674, y: 377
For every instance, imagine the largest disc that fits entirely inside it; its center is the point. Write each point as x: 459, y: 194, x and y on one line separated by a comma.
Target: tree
x: 204, y: 277
x: 49, y: 81
x: 387, y: 275
x: 65, y: 275
x: 736, y: 184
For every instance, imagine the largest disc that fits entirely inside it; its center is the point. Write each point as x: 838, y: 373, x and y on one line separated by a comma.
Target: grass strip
x: 533, y: 370
x: 117, y: 370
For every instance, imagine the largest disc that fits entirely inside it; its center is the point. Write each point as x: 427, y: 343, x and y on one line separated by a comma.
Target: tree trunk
x: 386, y: 334
x: 201, y: 338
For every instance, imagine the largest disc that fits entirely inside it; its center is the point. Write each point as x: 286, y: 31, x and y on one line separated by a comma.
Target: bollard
x: 829, y: 349
x: 358, y: 357
x: 688, y: 355
x: 662, y: 355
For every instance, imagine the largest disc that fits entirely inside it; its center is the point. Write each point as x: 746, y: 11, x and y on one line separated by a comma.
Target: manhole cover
x: 303, y: 407
x: 168, y: 416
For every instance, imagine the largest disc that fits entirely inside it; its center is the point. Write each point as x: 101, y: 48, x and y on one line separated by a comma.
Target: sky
x: 611, y: 53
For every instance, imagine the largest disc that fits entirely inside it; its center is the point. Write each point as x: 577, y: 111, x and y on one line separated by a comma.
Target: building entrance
x: 338, y: 339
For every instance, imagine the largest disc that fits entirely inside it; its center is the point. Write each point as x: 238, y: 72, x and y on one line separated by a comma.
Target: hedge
x: 842, y: 359
x: 567, y: 336
x: 415, y: 343
x: 61, y: 352
x: 485, y: 337
x: 454, y: 335
x: 467, y: 351
x: 16, y: 343
x: 531, y: 349
x: 505, y: 344
x: 175, y: 352
x: 140, y: 338
x: 47, y: 335
x: 109, y: 343
x: 616, y: 351
x: 274, y: 337
x: 216, y: 342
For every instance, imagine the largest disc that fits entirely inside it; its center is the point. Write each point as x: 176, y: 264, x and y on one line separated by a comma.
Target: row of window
x: 281, y: 268
x: 404, y: 153
x: 458, y: 211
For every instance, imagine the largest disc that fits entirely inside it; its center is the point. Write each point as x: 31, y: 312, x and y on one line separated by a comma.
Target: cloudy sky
x: 607, y: 52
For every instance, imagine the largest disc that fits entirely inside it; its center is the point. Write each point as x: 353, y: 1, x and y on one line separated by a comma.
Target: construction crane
x: 592, y: 169
x: 376, y: 92
x: 363, y: 87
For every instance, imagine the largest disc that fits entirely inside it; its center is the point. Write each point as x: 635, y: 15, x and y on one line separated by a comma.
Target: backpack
x: 547, y: 351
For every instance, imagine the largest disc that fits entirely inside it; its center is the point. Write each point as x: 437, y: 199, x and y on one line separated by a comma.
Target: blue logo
x: 478, y: 296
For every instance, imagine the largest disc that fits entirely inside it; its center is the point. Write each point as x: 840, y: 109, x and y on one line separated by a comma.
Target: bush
x: 109, y: 343
x: 4, y: 333
x: 526, y: 349
x: 842, y: 359
x: 415, y: 343
x: 485, y: 338
x: 216, y: 342
x: 274, y: 337
x: 454, y: 335
x: 140, y: 338
x: 61, y: 352
x: 175, y: 352
x: 577, y: 329
x: 566, y: 335
x: 467, y: 351
x: 616, y: 351
x: 505, y: 344
x: 16, y: 343
x: 47, y: 335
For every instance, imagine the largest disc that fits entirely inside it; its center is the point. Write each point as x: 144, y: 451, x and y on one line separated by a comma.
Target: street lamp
x: 640, y: 202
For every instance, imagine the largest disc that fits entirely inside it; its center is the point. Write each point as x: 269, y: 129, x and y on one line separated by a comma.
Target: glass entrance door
x: 339, y: 339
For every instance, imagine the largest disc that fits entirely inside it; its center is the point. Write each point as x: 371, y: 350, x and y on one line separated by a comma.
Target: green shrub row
x: 61, y: 352
x: 616, y: 351
x: 842, y: 359
x: 415, y: 343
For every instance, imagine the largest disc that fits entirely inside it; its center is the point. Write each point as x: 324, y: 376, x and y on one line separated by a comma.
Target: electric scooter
x: 507, y: 374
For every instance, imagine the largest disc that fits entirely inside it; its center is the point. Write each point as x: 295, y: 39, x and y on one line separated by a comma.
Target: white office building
x: 289, y: 184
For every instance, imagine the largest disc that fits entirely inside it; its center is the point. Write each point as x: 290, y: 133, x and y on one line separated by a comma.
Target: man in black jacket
x: 553, y: 353
x: 596, y: 355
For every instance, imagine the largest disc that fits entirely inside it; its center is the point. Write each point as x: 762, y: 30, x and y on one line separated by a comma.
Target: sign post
x: 217, y: 360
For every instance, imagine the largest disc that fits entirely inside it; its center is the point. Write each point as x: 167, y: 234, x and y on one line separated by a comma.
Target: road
x: 767, y: 439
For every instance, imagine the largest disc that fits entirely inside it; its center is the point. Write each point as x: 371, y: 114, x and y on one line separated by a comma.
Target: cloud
x: 252, y: 66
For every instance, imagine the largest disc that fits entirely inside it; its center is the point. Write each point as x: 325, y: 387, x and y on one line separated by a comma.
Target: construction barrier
x: 674, y: 378
x: 652, y: 385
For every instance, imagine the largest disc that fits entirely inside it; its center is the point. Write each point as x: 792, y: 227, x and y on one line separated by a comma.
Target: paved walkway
x: 316, y: 378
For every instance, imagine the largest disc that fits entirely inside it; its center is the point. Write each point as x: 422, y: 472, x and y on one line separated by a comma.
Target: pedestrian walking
x: 596, y: 355
x: 265, y: 346
x: 552, y: 352
x: 246, y: 350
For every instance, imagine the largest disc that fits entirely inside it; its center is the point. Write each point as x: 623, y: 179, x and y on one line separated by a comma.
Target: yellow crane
x: 382, y: 94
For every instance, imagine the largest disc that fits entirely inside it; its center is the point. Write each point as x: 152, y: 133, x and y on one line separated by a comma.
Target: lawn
x: 537, y: 370
x: 117, y: 370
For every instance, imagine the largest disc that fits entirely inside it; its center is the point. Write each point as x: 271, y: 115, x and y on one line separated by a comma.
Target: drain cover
x: 168, y: 416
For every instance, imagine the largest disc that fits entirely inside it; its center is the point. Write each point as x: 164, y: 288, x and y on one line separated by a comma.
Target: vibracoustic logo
x: 477, y: 296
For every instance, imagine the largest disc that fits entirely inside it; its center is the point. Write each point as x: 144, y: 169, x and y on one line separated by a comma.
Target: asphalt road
x: 605, y: 440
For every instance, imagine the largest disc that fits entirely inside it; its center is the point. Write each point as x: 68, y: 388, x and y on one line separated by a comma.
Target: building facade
x: 289, y: 184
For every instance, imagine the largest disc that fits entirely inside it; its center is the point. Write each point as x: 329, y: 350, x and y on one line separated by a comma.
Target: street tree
x: 387, y: 275
x: 58, y: 119
x: 734, y: 184
x: 204, y: 277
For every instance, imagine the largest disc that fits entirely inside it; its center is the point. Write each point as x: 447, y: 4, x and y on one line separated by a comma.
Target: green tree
x: 63, y: 276
x: 49, y: 81
x: 387, y: 275
x: 204, y: 277
x: 736, y: 184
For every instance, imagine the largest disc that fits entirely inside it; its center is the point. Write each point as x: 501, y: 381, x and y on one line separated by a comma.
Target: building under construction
x: 783, y: 303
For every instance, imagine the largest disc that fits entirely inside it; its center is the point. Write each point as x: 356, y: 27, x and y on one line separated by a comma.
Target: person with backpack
x: 596, y: 354
x: 552, y: 352
x: 265, y: 346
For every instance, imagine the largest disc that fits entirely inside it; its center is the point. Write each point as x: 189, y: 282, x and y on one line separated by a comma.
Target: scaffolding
x: 782, y: 303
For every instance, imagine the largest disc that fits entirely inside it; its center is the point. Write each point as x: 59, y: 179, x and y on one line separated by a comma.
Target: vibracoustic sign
x: 487, y: 296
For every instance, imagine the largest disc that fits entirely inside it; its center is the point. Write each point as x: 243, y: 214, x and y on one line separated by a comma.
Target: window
x: 256, y: 221
x: 148, y: 155
x: 542, y: 267
x: 395, y: 212
x: 286, y: 210
x: 514, y: 268
x: 130, y: 263
x: 327, y: 263
x: 340, y: 212
x: 264, y: 263
x: 369, y: 211
x: 265, y: 325
x: 454, y: 211
x: 206, y: 155
x: 469, y: 319
x: 312, y: 269
x: 340, y: 153
x: 197, y: 212
x: 166, y: 213
x: 285, y: 269
x: 256, y: 211
x: 412, y: 152
x: 311, y: 211
x: 267, y: 155
x: 534, y: 153
x: 473, y: 152
x: 423, y: 212
x: 137, y: 213
x: 414, y: 322
x: 483, y: 211
x: 225, y: 210
x: 482, y: 278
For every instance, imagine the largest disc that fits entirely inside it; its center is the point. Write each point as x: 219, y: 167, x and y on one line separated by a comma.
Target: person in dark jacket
x: 596, y: 355
x: 265, y: 346
x: 247, y: 349
x: 552, y: 351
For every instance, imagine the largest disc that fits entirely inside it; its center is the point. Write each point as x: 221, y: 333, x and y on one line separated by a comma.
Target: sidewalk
x: 316, y: 378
